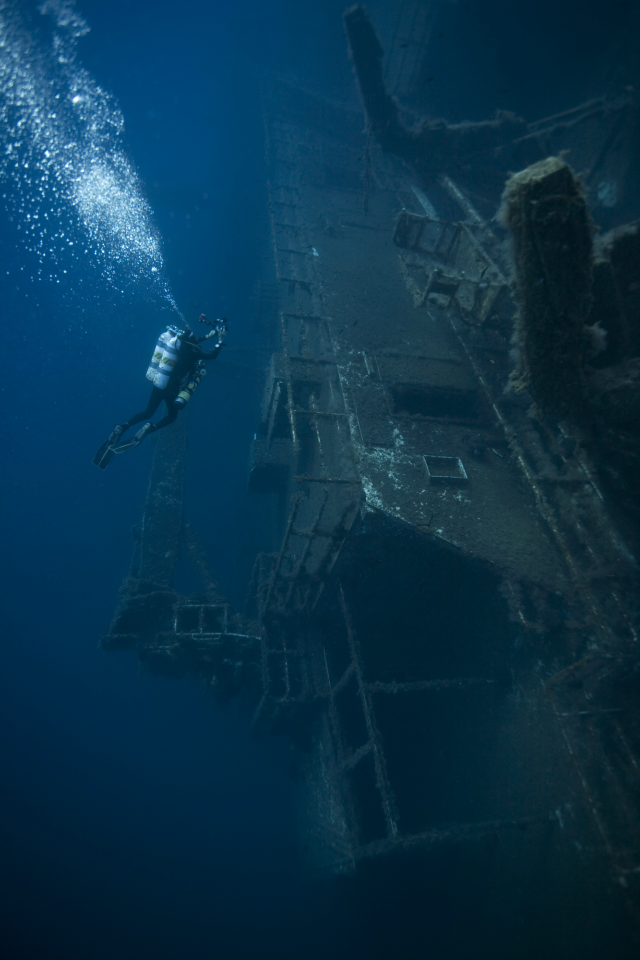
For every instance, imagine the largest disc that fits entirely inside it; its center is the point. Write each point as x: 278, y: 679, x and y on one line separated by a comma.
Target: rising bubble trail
x: 66, y: 181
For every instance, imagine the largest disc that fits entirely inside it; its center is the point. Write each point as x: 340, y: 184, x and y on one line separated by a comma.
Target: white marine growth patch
x: 382, y: 461
x: 67, y: 183
x: 378, y: 462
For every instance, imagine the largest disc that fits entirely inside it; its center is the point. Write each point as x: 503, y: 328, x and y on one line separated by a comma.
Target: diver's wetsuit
x: 184, y: 367
x: 186, y: 358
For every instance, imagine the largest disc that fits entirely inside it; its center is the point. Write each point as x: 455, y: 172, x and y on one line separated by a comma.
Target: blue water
x: 137, y: 819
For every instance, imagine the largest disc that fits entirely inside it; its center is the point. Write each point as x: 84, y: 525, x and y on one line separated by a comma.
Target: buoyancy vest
x: 189, y: 387
x: 164, y: 358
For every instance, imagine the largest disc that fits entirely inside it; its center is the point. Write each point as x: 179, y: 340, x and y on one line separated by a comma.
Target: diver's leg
x: 173, y: 409
x: 156, y: 398
x: 154, y: 402
x: 105, y: 454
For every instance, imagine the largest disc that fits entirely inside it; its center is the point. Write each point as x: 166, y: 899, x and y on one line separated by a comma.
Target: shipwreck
x: 449, y: 451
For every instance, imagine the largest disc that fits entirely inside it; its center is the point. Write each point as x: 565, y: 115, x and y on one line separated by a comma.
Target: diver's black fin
x: 130, y: 444
x: 100, y: 454
x: 104, y: 456
x: 123, y: 447
x: 107, y: 458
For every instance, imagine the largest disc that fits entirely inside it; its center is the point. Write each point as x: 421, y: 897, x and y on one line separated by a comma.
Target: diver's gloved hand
x: 219, y: 327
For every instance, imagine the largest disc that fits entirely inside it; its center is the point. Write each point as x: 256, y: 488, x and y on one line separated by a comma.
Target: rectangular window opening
x: 424, y: 400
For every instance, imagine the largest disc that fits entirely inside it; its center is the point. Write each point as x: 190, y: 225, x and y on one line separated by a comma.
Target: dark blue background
x: 137, y: 818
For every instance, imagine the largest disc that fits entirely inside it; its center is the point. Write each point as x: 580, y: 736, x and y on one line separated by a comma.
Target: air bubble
x: 63, y: 154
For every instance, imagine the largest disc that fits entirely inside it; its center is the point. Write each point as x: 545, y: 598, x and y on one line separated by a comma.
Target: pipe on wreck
x: 435, y: 145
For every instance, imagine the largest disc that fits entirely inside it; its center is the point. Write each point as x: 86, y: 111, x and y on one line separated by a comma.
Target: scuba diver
x: 176, y: 369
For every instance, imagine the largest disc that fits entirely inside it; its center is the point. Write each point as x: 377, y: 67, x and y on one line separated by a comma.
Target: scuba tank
x: 164, y: 357
x: 190, y: 384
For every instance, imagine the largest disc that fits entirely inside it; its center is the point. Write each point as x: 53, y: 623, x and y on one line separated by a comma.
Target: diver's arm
x: 220, y: 333
x: 214, y: 353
